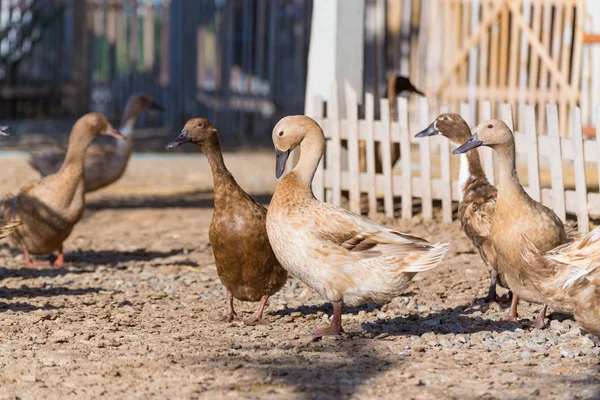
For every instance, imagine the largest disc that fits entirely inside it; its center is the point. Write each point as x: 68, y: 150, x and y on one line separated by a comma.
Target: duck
x: 476, y: 196
x: 568, y: 277
x: 346, y: 258
x: 103, y: 165
x: 245, y: 262
x: 49, y: 208
x: 4, y: 130
x: 516, y: 214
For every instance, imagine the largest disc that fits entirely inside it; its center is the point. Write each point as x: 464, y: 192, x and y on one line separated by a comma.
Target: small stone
x: 236, y: 346
x: 382, y: 316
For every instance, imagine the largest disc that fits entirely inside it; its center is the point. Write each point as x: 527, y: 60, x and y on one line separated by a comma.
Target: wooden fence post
x: 405, y: 153
x: 333, y: 115
x: 533, y: 167
x: 583, y: 220
x: 556, y: 167
x: 319, y: 181
x: 353, y: 159
x: 425, y: 162
x: 386, y: 159
x: 370, y: 150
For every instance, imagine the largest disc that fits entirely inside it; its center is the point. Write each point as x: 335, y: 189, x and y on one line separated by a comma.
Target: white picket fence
x: 339, y: 170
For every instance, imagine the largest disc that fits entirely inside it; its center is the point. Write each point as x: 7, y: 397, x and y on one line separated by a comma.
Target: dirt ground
x: 132, y: 314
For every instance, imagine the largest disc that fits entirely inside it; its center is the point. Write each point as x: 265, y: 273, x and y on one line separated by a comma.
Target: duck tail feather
x: 429, y: 259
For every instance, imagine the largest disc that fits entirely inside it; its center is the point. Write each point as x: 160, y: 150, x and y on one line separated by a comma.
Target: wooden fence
x: 427, y: 172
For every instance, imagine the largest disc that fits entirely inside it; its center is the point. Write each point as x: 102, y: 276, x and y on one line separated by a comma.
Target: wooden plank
x: 405, y: 158
x: 333, y: 114
x: 485, y: 112
x: 425, y: 161
x: 591, y: 38
x: 353, y: 159
x: 556, y: 165
x: 583, y: 220
x: 504, y: 19
x: 506, y: 115
x: 533, y: 167
x: 370, y: 150
x: 386, y: 158
x: 319, y: 180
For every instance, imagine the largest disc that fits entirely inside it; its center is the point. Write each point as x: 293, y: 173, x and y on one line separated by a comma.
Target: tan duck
x: 245, y: 261
x: 568, y: 277
x: 346, y: 258
x: 103, y: 165
x: 516, y: 214
x: 477, y: 197
x: 51, y: 206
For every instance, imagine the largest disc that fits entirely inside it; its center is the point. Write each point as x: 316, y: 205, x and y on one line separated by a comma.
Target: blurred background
x: 243, y: 63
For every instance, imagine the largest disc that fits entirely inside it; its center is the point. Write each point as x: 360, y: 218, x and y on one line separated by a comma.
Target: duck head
x: 97, y: 124
x: 288, y: 134
x: 4, y: 131
x: 450, y: 125
x: 493, y: 133
x: 138, y: 103
x: 197, y: 130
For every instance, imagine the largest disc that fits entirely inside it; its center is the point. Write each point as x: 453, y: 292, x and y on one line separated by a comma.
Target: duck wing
x: 365, y: 240
x: 6, y: 228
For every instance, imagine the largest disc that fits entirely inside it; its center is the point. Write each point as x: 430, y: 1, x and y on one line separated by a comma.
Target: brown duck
x: 49, y: 207
x: 516, y: 215
x: 103, y: 165
x: 245, y: 261
x: 477, y: 197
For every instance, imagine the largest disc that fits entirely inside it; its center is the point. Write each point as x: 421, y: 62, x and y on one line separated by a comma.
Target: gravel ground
x: 132, y: 314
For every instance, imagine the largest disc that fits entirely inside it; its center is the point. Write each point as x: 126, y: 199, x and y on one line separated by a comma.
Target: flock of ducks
x: 346, y: 258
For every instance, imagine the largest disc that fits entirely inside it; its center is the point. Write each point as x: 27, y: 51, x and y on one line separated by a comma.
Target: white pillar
x: 336, y: 50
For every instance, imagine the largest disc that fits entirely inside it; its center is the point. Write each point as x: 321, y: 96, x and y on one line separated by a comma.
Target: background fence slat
x: 386, y: 159
x: 425, y: 161
x: 405, y: 158
x: 446, y: 174
x: 485, y: 112
x: 353, y: 159
x: 333, y: 114
x: 506, y: 115
x: 318, y: 181
x: 556, y: 168
x: 583, y: 220
x: 533, y: 167
x: 370, y: 150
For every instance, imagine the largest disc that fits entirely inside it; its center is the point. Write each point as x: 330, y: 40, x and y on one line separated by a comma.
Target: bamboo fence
x: 396, y: 192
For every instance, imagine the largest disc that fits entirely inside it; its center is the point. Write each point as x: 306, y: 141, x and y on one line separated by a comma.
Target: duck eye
x: 281, y: 133
x: 445, y: 118
x: 200, y: 125
x: 490, y: 126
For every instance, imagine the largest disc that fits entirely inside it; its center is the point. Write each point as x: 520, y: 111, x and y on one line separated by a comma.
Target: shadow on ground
x: 193, y: 199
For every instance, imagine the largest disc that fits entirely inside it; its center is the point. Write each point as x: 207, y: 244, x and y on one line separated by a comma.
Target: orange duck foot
x: 335, y: 329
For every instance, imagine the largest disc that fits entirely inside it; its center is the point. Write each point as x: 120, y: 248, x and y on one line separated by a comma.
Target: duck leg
x: 231, y: 314
x: 30, y: 263
x: 540, y: 320
x: 60, y: 260
x: 257, y: 317
x: 335, y: 329
x: 512, y: 311
x: 492, y: 296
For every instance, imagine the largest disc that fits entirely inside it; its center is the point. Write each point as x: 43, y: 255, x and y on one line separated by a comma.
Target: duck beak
x: 280, y: 161
x: 155, y: 106
x: 110, y: 131
x: 184, y: 137
x: 4, y: 131
x: 430, y: 131
x: 470, y: 144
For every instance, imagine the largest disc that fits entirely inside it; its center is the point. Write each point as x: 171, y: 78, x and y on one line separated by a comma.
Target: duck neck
x: 222, y: 179
x: 508, y: 180
x: 470, y: 169
x: 311, y: 151
x: 127, y: 130
x: 71, y: 171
